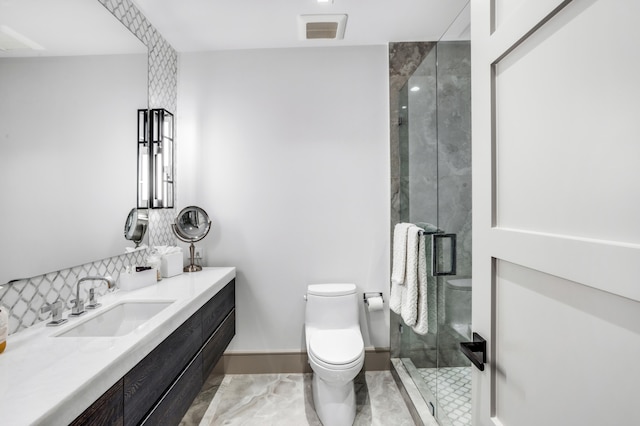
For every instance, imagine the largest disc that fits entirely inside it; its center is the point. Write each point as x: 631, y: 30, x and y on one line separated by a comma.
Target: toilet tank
x: 331, y: 306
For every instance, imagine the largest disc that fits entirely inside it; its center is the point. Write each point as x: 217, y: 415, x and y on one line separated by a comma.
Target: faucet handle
x: 56, y: 313
x: 93, y: 302
x: 77, y: 308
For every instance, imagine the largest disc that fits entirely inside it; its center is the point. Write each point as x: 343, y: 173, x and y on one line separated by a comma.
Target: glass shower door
x: 417, y: 127
x: 453, y: 256
x: 435, y: 161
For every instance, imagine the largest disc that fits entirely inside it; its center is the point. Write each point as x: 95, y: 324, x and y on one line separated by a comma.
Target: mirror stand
x: 192, y: 267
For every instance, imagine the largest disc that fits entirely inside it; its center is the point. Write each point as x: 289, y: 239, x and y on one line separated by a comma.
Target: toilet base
x: 335, y: 403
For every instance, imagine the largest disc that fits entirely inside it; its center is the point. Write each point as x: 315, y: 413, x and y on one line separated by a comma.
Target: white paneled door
x: 556, y: 211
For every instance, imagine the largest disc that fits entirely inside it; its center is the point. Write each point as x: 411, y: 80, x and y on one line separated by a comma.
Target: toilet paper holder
x: 366, y: 296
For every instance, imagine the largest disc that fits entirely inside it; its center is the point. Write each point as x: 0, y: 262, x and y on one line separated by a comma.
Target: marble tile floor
x: 286, y: 400
x: 200, y: 405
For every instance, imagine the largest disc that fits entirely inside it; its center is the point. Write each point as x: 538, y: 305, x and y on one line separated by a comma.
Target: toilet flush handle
x: 305, y: 297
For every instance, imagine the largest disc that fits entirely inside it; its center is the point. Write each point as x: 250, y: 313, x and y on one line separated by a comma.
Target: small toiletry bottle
x: 4, y: 328
x: 154, y: 261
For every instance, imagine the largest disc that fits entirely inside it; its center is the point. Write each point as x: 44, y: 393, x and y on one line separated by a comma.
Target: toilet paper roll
x: 375, y: 303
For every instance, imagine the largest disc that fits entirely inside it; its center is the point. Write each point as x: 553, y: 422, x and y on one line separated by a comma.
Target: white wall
x: 288, y: 151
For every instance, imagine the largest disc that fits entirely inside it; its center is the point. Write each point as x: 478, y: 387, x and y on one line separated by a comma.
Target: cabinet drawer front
x: 216, y: 310
x: 213, y: 349
x: 172, y: 407
x: 107, y: 410
x: 148, y: 380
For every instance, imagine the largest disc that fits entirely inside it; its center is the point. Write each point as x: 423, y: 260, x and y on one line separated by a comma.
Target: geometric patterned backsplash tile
x: 163, y: 59
x: 163, y: 93
x: 160, y: 221
x: 24, y: 299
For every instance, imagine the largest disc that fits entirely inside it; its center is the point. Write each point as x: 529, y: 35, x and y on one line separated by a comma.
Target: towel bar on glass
x: 422, y: 232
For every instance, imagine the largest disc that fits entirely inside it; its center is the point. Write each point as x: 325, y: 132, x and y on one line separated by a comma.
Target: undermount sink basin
x: 117, y: 320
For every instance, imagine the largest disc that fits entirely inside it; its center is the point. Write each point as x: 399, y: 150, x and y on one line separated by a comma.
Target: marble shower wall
x: 454, y: 146
x: 24, y: 298
x: 420, y: 189
x: 435, y: 145
x: 404, y: 59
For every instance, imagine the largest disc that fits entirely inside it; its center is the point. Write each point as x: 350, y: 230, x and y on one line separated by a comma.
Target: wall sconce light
x: 155, y: 159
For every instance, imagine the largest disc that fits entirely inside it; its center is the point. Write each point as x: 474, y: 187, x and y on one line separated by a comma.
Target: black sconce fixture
x: 155, y: 159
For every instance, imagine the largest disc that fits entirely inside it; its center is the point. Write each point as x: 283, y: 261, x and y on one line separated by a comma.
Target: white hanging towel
x: 411, y: 292
x: 399, y: 266
x: 426, y: 288
x: 399, y: 252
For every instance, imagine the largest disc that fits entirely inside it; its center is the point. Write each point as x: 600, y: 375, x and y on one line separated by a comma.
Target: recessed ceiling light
x: 325, y: 1
x: 415, y: 89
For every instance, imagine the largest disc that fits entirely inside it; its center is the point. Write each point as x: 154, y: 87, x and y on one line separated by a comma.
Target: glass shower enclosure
x: 434, y: 191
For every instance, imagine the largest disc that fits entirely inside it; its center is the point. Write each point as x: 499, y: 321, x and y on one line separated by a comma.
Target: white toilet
x: 335, y: 349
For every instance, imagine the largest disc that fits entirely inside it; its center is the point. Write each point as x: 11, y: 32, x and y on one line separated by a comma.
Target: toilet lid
x: 337, y: 346
x: 331, y: 289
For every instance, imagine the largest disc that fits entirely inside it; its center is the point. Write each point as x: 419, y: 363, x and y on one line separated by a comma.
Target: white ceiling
x: 85, y: 27
x: 199, y: 25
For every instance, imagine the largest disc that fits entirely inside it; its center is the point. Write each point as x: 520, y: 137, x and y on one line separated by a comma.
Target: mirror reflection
x: 68, y: 117
x: 192, y: 224
x: 135, y: 227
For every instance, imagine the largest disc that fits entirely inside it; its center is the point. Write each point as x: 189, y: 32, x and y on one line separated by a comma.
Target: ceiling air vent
x: 322, y: 27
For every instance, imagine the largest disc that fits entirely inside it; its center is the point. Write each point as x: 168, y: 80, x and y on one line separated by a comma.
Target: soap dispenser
x: 4, y: 328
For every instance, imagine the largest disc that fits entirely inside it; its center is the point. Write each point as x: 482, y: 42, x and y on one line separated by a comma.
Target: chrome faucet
x: 78, y: 305
x: 56, y: 313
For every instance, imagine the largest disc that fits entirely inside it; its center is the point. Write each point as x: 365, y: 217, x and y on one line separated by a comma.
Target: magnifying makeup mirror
x: 136, y: 225
x: 192, y: 225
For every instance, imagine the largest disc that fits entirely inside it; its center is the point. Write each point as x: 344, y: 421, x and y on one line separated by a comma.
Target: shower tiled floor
x: 453, y: 391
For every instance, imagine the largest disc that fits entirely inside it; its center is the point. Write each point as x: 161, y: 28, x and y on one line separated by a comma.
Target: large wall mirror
x: 68, y: 102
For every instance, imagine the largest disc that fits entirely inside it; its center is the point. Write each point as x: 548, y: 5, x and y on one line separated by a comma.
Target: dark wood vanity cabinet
x: 149, y: 380
x: 161, y: 387
x: 107, y: 410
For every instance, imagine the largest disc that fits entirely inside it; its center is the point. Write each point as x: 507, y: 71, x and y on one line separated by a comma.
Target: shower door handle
x: 435, y: 254
x: 476, y: 351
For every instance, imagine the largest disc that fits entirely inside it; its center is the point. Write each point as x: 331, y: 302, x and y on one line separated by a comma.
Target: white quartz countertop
x: 51, y: 380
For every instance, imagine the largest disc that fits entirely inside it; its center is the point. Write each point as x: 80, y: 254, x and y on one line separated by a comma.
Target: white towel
x: 399, y: 252
x: 422, y: 319
x: 398, y: 266
x: 410, y: 295
x: 395, y: 298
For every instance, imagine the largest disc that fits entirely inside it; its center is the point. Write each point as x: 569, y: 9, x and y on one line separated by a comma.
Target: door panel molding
x: 525, y: 20
x: 548, y: 253
x: 547, y: 329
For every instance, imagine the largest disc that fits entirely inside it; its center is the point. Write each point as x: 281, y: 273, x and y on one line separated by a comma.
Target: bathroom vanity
x: 56, y: 375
